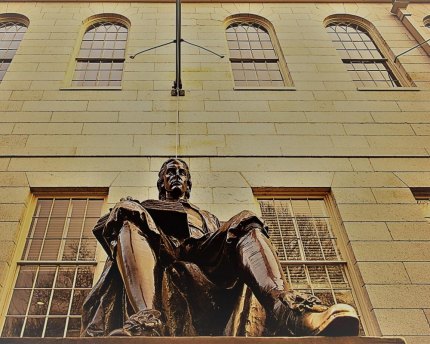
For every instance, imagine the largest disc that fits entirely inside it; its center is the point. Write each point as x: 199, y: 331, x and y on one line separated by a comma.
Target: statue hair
x: 160, y: 181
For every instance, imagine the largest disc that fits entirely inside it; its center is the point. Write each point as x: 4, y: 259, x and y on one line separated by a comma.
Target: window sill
x: 395, y: 89
x: 264, y: 88
x: 91, y: 88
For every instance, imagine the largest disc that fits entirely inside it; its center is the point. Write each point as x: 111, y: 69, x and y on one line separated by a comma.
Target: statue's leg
x: 136, y: 262
x: 259, y: 267
x: 291, y: 313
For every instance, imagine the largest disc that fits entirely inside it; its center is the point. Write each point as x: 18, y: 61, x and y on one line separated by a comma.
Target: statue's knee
x: 253, y: 230
x: 129, y: 227
x: 253, y: 227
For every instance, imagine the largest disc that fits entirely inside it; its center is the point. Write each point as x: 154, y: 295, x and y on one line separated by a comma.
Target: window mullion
x: 82, y: 230
x: 72, y: 295
x: 281, y: 235
x: 53, y: 262
x: 65, y: 231
x: 316, y: 231
x: 296, y: 229
x: 54, y: 282
x: 330, y: 284
x: 92, y: 59
x: 33, y: 286
x: 313, y: 262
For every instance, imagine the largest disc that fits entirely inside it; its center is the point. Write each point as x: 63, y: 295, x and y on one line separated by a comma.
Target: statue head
x: 174, y: 180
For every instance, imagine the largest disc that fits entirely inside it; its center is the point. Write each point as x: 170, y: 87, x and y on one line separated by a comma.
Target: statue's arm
x: 212, y: 221
x: 108, y: 226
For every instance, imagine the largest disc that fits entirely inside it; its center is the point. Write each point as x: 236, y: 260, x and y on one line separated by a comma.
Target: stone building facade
x: 327, y: 134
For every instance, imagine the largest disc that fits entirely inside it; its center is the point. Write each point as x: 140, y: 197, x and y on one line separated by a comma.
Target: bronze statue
x: 174, y: 269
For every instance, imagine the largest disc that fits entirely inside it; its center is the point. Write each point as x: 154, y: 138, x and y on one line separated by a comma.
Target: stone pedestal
x: 205, y: 340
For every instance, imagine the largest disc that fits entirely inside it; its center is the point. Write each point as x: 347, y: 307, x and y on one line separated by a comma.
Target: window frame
x: 14, y: 18
x: 17, y: 262
x: 87, y: 24
x: 422, y: 196
x: 363, y: 304
x: 282, y: 64
x: 395, y: 68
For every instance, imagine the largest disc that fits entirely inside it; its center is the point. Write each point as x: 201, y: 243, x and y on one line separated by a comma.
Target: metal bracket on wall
x: 177, y: 84
x: 406, y: 51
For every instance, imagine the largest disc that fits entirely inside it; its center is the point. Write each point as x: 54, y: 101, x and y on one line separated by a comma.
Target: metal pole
x: 178, y: 45
x: 177, y: 85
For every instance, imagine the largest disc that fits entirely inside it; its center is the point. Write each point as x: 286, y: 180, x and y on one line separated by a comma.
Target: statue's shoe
x: 337, y: 320
x: 144, y: 323
x: 301, y: 314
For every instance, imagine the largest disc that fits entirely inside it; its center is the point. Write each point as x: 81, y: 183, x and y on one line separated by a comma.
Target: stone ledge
x: 205, y: 340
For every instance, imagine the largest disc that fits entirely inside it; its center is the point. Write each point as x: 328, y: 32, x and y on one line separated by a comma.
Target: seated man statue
x: 173, y: 270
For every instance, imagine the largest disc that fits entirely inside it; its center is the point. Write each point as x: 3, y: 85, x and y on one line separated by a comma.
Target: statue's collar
x: 187, y: 202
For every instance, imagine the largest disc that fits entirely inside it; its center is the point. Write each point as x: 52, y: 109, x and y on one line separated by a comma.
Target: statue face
x: 175, y: 180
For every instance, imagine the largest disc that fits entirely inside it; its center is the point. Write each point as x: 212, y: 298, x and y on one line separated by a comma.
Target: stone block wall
x: 369, y: 147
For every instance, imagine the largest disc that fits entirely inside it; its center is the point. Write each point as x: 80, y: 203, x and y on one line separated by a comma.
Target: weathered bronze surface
x: 175, y: 270
x: 205, y: 340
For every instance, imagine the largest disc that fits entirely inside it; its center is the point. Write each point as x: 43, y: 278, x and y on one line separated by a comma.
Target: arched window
x: 100, y: 61
x: 12, y: 29
x: 364, y: 57
x: 255, y: 57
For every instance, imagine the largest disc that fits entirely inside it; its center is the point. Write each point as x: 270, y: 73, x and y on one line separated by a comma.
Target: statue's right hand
x: 126, y: 209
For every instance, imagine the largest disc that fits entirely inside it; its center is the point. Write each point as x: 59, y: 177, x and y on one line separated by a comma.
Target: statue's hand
x: 127, y: 209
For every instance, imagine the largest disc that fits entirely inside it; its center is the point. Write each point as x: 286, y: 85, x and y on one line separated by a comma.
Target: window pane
x: 50, y: 249
x: 71, y: 248
x: 11, y: 34
x: 45, y: 277
x: 84, y: 278
x: 106, y: 43
x: 87, y: 249
x: 12, y: 327
x: 78, y: 300
x: 49, y: 288
x: 300, y: 230
x: 34, y: 327
x: 65, y: 277
x: 74, y: 327
x: 354, y: 43
x: 26, y: 277
x: 251, y: 43
x: 60, y: 302
x: 325, y: 296
x: 39, y: 301
x: 55, y: 327
x: 18, y: 304
x: 43, y: 208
